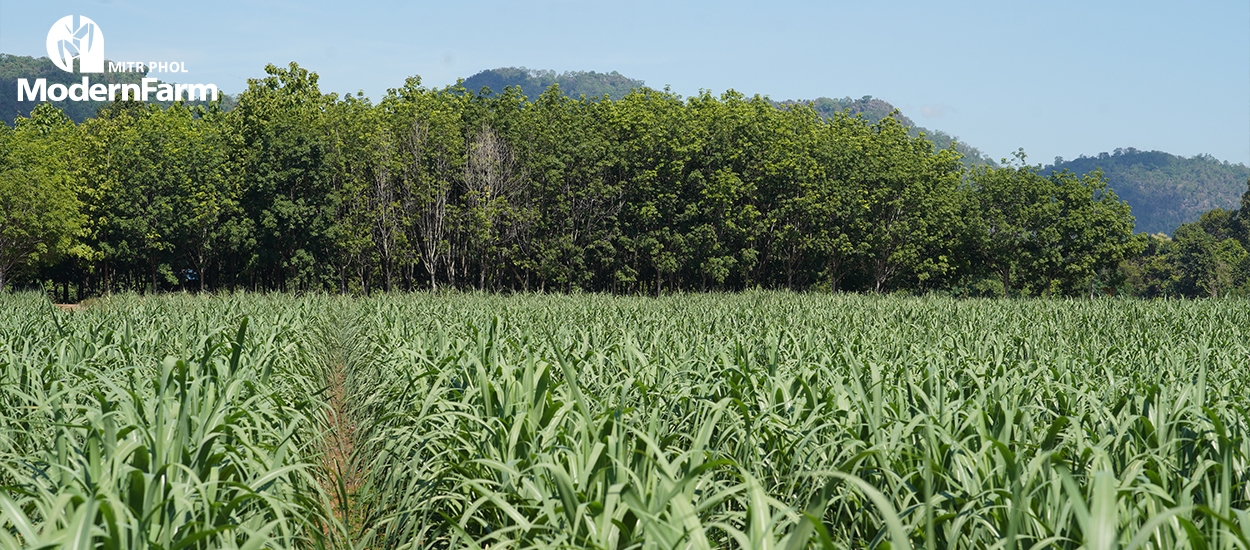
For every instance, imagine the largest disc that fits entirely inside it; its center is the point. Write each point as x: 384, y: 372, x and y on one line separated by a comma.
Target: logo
x: 81, y: 40
x: 84, y: 42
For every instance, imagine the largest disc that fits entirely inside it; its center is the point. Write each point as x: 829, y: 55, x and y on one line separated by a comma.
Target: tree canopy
x: 298, y: 190
x: 40, y: 214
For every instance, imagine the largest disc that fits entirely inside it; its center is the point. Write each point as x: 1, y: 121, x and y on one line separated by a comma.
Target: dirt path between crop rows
x: 344, y: 478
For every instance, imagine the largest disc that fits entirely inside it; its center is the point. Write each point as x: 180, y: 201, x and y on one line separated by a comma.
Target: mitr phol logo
x: 78, y: 38
x: 83, y: 41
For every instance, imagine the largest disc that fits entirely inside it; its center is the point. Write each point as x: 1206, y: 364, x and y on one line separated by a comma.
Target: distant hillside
x: 13, y: 67
x: 573, y: 83
x: 874, y: 109
x: 1165, y: 190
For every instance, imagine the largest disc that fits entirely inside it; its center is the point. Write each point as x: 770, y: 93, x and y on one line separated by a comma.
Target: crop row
x: 784, y: 421
x: 752, y: 420
x: 159, y: 423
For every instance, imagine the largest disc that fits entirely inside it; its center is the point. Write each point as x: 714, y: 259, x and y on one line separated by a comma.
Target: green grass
x: 754, y: 420
x: 157, y: 424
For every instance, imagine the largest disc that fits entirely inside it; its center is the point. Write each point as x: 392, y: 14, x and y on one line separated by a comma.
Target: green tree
x: 572, y: 198
x: 1240, y: 223
x: 820, y: 225
x: 1089, y: 231
x: 212, y: 226
x: 911, y: 203
x: 364, y: 232
x: 655, y: 142
x: 1206, y: 264
x: 161, y: 188
x: 1012, y: 206
x: 40, y: 212
x: 427, y: 126
x: 720, y: 220
x: 289, y: 194
x: 1152, y: 273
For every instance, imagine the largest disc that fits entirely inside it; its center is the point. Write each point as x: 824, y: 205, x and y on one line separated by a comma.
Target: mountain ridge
x: 1164, y: 190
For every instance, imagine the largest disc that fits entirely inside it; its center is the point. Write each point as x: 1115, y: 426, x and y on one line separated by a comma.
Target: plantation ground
x: 754, y: 420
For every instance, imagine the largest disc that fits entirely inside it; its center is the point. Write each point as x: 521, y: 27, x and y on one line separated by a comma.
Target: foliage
x: 875, y: 109
x: 534, y: 82
x: 1164, y: 190
x: 431, y: 188
x: 40, y: 213
x: 170, y: 423
x: 751, y: 420
x: 1203, y: 258
x: 282, y: 127
x: 763, y: 420
x: 158, y: 189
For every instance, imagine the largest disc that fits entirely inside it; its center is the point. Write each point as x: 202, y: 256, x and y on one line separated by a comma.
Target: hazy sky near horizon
x: 1058, y: 78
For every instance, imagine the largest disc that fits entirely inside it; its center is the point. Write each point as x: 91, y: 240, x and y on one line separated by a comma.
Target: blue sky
x: 1057, y: 78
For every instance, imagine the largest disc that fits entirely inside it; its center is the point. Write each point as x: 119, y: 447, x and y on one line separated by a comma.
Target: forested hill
x: 13, y: 67
x: 1165, y: 190
x: 572, y: 83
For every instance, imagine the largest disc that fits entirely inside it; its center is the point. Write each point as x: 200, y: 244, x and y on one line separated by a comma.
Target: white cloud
x: 936, y: 110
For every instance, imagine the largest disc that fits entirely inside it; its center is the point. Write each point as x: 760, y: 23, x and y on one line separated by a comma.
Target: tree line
x: 1205, y: 258
x: 613, y: 85
x: 298, y: 190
